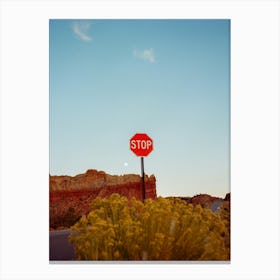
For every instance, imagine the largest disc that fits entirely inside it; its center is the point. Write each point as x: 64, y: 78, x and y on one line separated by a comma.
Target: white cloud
x: 81, y: 29
x: 147, y: 54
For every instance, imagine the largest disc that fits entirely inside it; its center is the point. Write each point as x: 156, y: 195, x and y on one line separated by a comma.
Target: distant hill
x: 207, y: 201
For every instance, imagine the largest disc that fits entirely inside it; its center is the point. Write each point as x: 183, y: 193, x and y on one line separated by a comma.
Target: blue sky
x: 168, y: 78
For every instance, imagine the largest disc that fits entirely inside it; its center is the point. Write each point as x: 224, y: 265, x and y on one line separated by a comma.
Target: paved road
x: 60, y: 248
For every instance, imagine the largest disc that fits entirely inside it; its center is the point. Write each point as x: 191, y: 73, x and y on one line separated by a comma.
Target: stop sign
x: 141, y: 144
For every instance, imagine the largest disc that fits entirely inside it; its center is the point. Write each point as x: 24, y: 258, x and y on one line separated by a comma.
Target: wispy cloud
x: 81, y: 30
x: 147, y: 54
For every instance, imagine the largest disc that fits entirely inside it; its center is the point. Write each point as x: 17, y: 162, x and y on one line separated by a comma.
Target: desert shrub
x: 160, y: 229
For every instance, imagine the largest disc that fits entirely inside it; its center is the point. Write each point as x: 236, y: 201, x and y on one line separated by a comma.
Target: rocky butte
x: 71, y: 196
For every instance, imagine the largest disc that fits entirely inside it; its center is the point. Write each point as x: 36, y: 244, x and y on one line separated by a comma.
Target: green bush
x: 160, y: 229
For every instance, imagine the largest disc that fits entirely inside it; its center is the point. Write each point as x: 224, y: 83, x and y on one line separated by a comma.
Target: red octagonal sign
x: 141, y: 144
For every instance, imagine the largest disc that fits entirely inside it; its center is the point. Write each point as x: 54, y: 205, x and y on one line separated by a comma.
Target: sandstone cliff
x: 71, y: 196
x: 93, y: 180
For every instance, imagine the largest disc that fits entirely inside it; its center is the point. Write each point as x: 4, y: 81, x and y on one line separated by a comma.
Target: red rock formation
x: 92, y: 179
x: 71, y: 197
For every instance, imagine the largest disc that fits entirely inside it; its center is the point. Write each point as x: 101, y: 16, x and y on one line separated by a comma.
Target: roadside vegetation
x: 160, y: 229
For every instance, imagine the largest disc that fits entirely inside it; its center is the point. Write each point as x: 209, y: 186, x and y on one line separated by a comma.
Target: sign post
x: 143, y: 179
x: 141, y: 145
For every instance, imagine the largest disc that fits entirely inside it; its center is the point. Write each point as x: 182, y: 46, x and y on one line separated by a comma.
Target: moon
x: 125, y: 164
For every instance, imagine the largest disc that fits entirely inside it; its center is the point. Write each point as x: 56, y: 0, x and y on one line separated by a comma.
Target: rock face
x: 91, y: 180
x: 102, y: 184
x: 70, y: 197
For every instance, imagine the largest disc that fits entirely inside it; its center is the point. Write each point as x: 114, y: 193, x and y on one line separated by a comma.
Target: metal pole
x: 143, y: 179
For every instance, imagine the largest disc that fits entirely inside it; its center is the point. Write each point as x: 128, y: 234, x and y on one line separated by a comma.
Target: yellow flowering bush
x: 160, y: 229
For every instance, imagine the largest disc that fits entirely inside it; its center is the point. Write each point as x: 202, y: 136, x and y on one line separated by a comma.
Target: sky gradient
x: 168, y: 78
